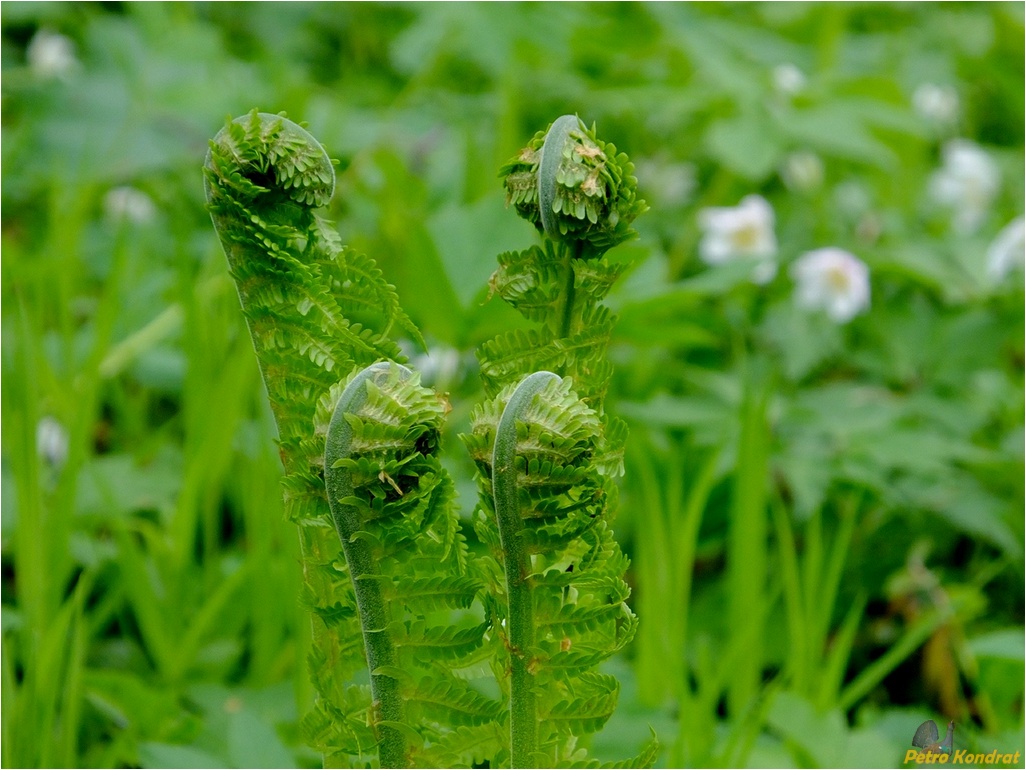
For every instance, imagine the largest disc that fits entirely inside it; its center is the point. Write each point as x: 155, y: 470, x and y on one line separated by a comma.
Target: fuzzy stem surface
x: 523, y: 716
x: 370, y: 603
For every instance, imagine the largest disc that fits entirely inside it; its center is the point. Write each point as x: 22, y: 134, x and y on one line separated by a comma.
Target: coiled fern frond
x: 391, y: 504
x: 562, y: 608
x: 574, y: 187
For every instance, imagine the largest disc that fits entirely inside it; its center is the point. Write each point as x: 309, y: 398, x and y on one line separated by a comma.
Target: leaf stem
x: 388, y: 701
x: 520, y: 618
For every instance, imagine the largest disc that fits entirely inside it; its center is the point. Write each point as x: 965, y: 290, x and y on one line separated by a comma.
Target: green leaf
x: 1006, y: 643
x: 960, y: 500
x: 822, y: 735
x: 465, y: 235
x: 747, y: 144
x: 645, y: 758
x: 588, y: 711
x: 837, y: 129
x: 118, y: 484
x: 160, y: 755
x: 253, y: 742
x: 466, y: 746
x: 455, y: 701
x: 438, y: 642
x: 426, y: 594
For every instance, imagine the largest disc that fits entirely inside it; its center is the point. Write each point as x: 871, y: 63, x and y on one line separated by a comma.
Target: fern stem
x: 370, y: 603
x: 569, y: 289
x: 520, y: 618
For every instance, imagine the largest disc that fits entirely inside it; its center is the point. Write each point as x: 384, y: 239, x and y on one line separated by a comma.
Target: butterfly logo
x: 928, y: 738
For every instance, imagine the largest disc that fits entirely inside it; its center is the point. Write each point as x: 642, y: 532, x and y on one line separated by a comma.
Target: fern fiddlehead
x: 523, y: 714
x: 392, y: 506
x: 382, y: 543
x: 264, y: 178
x: 589, y: 196
x: 373, y: 614
x: 547, y: 454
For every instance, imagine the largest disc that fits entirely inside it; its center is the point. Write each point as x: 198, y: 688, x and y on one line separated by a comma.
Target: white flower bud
x: 127, y: 204
x: 1007, y: 251
x: 51, y: 442
x: 967, y: 183
x: 802, y: 171
x: 440, y: 367
x: 51, y: 56
x: 788, y: 79
x: 938, y: 104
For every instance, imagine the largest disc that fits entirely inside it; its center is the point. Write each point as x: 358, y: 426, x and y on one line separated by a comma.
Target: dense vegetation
x: 819, y: 355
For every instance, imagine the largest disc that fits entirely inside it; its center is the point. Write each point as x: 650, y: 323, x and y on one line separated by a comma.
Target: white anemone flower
x: 788, y: 79
x: 51, y: 442
x: 966, y: 183
x: 50, y: 55
x: 744, y: 231
x: 129, y: 205
x: 935, y: 103
x: 1007, y: 251
x: 832, y: 280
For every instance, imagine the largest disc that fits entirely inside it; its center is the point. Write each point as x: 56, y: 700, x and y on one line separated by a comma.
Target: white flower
x: 936, y: 103
x: 51, y: 55
x: 788, y: 79
x: 1007, y: 251
x: 802, y: 171
x: 967, y: 183
x: 742, y: 232
x: 52, y: 442
x: 832, y: 280
x: 128, y: 204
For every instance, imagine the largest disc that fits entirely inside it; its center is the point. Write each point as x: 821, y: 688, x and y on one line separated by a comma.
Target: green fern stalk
x: 360, y: 558
x: 523, y: 717
x: 265, y: 176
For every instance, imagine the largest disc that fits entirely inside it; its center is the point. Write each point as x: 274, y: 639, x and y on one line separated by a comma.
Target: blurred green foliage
x: 826, y: 520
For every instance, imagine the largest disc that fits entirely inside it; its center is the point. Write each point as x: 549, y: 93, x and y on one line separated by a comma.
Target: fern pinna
x: 319, y: 314
x: 547, y: 454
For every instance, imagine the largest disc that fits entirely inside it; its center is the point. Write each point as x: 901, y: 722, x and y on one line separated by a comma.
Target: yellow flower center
x: 746, y: 238
x: 837, y: 279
